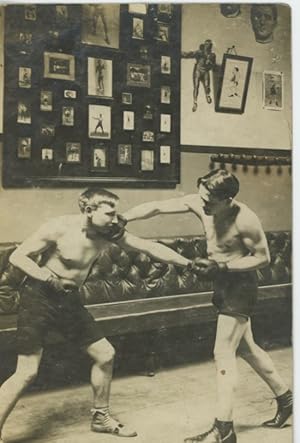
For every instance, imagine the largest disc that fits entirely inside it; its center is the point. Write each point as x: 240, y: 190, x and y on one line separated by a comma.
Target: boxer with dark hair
x: 236, y: 248
x: 50, y: 299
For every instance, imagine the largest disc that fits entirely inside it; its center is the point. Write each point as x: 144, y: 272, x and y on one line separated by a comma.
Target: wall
x: 257, y: 127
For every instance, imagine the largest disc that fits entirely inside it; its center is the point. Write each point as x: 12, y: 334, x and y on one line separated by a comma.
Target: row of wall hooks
x: 257, y: 161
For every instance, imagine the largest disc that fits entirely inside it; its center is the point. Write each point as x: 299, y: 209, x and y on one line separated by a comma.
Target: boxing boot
x: 103, y: 422
x: 221, y: 432
x: 284, y: 411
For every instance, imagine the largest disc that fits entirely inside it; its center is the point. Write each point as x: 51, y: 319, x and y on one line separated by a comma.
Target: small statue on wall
x: 205, y: 61
x: 264, y: 21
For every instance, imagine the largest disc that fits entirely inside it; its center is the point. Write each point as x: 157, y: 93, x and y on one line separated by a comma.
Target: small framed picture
x: 46, y: 101
x: 61, y: 13
x: 165, y: 64
x: 124, y: 154
x: 24, y: 112
x: 48, y: 130
x: 165, y: 122
x: 70, y: 93
x: 24, y: 40
x: 162, y: 32
x: 24, y: 77
x: 67, y: 116
x: 137, y: 28
x: 101, y: 24
x: 165, y: 95
x: 164, y: 9
x: 99, y: 121
x: 59, y: 66
x: 73, y: 152
x: 147, y: 160
x: 273, y: 90
x: 148, y: 112
x: 99, y: 158
x: 148, y: 136
x: 128, y: 120
x: 24, y: 147
x: 138, y: 75
x: 100, y: 77
x: 126, y: 98
x: 137, y: 8
x: 165, y: 155
x: 30, y: 12
x: 47, y: 154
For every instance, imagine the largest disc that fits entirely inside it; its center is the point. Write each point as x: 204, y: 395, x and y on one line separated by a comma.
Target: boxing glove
x: 60, y: 285
x: 208, y: 269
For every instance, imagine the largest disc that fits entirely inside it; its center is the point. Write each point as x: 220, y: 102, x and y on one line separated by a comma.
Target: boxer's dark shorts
x: 42, y: 311
x: 235, y: 293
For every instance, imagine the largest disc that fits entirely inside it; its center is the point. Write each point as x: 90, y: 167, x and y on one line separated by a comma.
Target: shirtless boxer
x: 236, y: 248
x: 50, y: 301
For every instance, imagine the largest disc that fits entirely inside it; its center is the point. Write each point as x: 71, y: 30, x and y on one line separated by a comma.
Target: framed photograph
x: 125, y: 155
x: 165, y: 95
x: 148, y: 112
x: 126, y: 98
x: 99, y: 121
x: 24, y: 41
x: 138, y: 75
x: 67, y: 116
x: 100, y: 24
x: 100, y: 77
x: 59, y: 66
x: 233, y: 89
x: 164, y: 9
x: 24, y: 112
x: 128, y: 120
x: 165, y: 64
x: 24, y: 147
x: 137, y: 28
x: 148, y: 136
x: 162, y: 32
x: 48, y: 130
x: 273, y: 90
x: 46, y: 101
x: 147, y: 160
x: 47, y: 154
x: 70, y: 93
x: 165, y: 122
x: 99, y: 158
x: 137, y: 8
x: 73, y: 152
x: 30, y: 12
x: 165, y: 155
x: 24, y: 77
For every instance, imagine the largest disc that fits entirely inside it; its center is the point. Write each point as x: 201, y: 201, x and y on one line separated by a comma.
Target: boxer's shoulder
x: 246, y: 219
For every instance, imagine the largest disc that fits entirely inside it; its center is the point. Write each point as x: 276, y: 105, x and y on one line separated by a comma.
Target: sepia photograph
x: 273, y: 90
x: 73, y: 152
x: 138, y: 28
x: 138, y: 75
x: 48, y: 130
x: 99, y: 121
x: 47, y: 154
x: 165, y: 95
x: 100, y: 75
x: 24, y: 77
x: 165, y: 122
x: 46, y: 103
x: 99, y: 158
x: 124, y: 154
x: 24, y: 147
x: 165, y: 64
x: 30, y: 12
x: 128, y: 120
x: 59, y: 66
x: 24, y: 112
x: 101, y: 24
x: 162, y: 32
x: 147, y: 160
x: 126, y: 98
x: 138, y: 8
x: 165, y: 155
x: 67, y: 116
x: 148, y: 136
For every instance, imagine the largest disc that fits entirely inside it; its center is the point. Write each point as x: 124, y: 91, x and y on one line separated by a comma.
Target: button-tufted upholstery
x: 125, y: 275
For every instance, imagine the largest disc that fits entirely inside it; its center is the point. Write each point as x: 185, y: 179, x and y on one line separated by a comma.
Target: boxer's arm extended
x: 155, y: 250
x: 34, y: 245
x: 150, y: 209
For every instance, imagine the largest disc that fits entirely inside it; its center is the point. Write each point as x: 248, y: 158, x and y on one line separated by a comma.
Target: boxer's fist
x: 208, y: 269
x: 60, y: 285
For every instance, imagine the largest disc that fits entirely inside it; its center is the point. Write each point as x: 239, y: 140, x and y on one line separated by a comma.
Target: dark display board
x: 91, y: 95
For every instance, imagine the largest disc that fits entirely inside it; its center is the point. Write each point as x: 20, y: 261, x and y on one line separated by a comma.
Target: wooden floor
x: 164, y: 409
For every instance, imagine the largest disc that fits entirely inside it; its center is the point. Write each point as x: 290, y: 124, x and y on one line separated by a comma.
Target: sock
x: 224, y: 427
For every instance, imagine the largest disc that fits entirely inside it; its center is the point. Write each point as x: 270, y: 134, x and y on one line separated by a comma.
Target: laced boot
x: 284, y: 411
x: 221, y: 432
x: 103, y: 422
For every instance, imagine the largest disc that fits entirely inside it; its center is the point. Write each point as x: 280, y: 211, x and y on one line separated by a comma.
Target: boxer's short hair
x: 258, y: 6
x: 220, y: 183
x: 95, y: 197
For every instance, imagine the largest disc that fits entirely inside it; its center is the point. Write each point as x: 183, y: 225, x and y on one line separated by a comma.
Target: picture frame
x: 99, y: 121
x: 165, y: 9
x: 147, y: 160
x: 128, y: 120
x: 233, y: 88
x: 24, y: 148
x: 126, y: 98
x: 137, y: 28
x: 67, y: 116
x: 138, y: 8
x: 148, y: 136
x: 165, y: 64
x: 165, y: 122
x: 24, y: 112
x: 70, y: 93
x: 99, y: 159
x: 100, y: 76
x: 165, y: 155
x: 47, y: 154
x: 162, y: 32
x: 273, y: 90
x: 138, y: 75
x: 46, y: 101
x: 124, y: 154
x: 47, y: 130
x: 30, y: 12
x: 148, y: 112
x: 24, y: 77
x: 73, y: 152
x: 24, y: 42
x: 59, y: 66
x: 101, y: 24
x: 165, y: 95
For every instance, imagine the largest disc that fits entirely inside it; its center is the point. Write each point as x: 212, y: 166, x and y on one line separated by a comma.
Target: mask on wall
x: 264, y: 21
x: 230, y: 10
